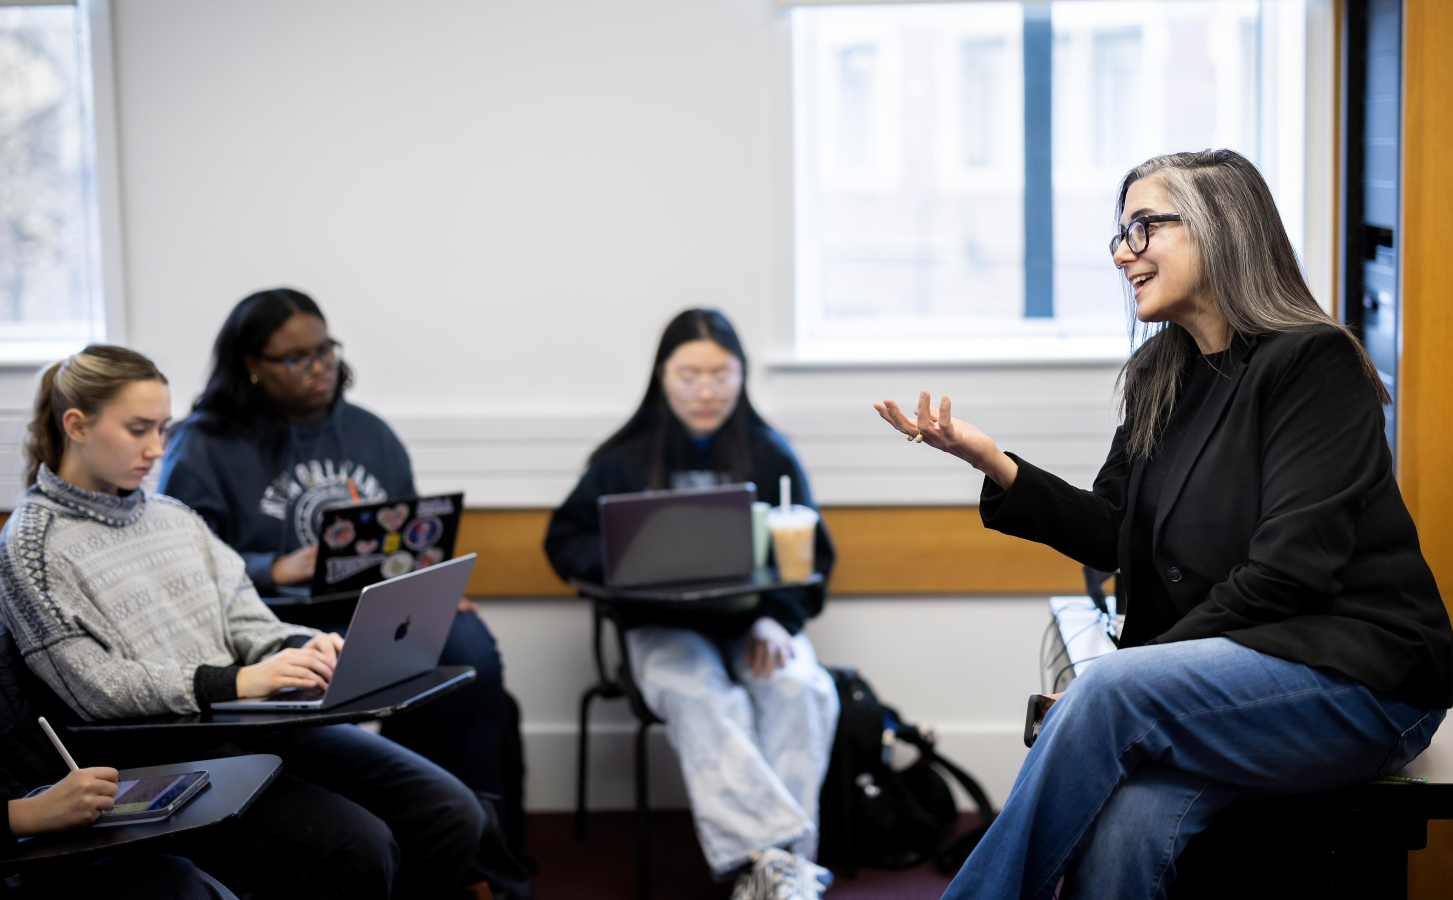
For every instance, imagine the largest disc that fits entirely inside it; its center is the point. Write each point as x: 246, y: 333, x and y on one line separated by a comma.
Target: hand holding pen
x: 76, y: 800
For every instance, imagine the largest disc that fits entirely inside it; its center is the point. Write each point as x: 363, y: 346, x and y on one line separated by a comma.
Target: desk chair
x: 622, y: 684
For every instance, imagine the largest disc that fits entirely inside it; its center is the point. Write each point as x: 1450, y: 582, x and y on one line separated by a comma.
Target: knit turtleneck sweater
x: 129, y: 605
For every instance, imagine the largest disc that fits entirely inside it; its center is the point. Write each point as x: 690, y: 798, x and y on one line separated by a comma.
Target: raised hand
x: 940, y: 430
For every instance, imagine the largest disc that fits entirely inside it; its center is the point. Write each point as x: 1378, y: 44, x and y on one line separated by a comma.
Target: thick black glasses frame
x: 1142, y: 221
x: 302, y: 364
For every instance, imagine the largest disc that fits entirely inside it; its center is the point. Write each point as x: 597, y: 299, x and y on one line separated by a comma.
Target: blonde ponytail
x: 86, y: 381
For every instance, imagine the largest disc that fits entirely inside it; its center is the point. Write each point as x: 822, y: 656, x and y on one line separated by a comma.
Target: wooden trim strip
x: 895, y: 550
x: 881, y: 550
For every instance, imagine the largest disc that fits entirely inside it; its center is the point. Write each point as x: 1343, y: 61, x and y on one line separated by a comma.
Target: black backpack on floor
x: 879, y: 817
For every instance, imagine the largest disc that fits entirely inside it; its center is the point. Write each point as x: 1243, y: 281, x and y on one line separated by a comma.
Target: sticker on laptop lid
x: 344, y: 567
x: 396, y: 564
x: 391, y: 542
x: 436, y: 506
x: 339, y: 534
x: 423, y: 532
x: 392, y: 518
x: 430, y: 556
x: 363, y: 548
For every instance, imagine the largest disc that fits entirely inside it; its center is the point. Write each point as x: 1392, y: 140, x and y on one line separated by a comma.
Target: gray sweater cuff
x: 215, y: 684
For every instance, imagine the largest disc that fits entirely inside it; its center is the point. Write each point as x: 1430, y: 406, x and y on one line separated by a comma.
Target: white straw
x: 785, y: 489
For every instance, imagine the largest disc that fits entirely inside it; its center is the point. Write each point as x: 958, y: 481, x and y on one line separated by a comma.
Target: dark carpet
x: 603, y: 866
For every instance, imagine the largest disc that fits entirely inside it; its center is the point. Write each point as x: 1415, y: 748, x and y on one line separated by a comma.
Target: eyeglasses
x: 1137, y: 234
x: 299, y: 366
x: 720, y: 381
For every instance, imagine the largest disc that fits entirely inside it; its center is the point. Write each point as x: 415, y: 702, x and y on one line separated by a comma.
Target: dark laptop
x: 677, y: 539
x: 365, y: 544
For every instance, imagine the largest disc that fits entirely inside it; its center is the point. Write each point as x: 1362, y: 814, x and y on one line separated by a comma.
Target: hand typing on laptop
x: 308, y: 666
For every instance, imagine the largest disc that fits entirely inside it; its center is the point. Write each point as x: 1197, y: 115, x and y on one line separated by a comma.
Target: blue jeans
x: 1145, y: 746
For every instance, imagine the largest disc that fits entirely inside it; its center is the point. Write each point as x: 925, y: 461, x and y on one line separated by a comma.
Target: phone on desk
x: 1039, y: 704
x: 149, y: 799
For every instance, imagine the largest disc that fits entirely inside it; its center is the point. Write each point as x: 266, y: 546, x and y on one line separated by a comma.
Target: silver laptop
x: 398, y: 631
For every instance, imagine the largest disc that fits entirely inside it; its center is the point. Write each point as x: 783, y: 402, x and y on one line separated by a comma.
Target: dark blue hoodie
x: 265, y: 494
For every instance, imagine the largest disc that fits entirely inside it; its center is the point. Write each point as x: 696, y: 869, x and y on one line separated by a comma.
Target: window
x: 956, y: 163
x: 50, y: 294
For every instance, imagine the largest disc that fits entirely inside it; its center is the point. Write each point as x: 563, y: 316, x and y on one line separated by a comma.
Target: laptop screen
x: 676, y: 537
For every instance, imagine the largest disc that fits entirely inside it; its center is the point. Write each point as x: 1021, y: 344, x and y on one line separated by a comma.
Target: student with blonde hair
x: 125, y: 604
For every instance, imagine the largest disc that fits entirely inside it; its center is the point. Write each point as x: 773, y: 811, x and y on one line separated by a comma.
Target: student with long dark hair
x: 126, y: 604
x: 747, y: 707
x: 271, y: 443
x: 1283, y: 632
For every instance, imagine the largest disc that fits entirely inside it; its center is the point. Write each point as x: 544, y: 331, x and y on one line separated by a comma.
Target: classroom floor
x: 603, y: 866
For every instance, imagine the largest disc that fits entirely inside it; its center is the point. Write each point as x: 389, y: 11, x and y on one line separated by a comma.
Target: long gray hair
x: 1246, y: 260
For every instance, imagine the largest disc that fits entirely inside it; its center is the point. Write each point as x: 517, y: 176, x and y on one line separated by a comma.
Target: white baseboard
x: 992, y: 755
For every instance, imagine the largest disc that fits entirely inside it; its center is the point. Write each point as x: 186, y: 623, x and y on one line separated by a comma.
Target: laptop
x: 368, y: 543
x: 398, y: 631
x: 681, y: 538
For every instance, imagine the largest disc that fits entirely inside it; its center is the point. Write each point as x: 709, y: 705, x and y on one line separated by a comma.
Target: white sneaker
x: 779, y: 875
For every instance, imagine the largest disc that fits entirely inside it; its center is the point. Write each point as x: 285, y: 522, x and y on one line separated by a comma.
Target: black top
x: 27, y: 758
x: 1279, y: 526
x: 573, y: 540
x: 1155, y: 613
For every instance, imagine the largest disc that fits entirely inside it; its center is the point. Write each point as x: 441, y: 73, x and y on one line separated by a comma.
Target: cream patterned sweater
x: 123, y: 604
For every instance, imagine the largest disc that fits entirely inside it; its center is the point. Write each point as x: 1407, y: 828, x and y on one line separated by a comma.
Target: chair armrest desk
x: 233, y: 783
x: 408, y: 694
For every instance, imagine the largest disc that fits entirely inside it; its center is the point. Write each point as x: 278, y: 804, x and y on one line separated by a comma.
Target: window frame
x: 1314, y: 216
x: 94, y: 22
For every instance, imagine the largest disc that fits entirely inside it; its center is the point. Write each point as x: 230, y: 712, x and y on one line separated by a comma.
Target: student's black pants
x: 351, y: 815
x: 461, y: 731
x: 137, y: 876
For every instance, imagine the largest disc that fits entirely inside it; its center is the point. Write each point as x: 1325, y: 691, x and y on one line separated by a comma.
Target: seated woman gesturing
x: 1283, y: 632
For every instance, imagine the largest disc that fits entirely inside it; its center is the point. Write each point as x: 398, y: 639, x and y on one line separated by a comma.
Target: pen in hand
x: 50, y: 733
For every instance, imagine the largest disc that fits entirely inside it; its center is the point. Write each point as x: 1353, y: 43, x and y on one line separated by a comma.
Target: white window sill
x: 34, y: 354
x: 996, y: 353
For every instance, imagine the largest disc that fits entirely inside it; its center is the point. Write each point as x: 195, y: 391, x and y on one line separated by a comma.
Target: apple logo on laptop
x: 402, y: 629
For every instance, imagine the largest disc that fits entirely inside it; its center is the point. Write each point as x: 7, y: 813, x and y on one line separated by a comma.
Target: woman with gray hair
x: 1283, y: 632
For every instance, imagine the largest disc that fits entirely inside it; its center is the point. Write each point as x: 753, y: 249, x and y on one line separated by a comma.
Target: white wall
x: 499, y: 205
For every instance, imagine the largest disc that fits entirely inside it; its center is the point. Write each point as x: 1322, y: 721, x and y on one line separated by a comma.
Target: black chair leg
x: 643, y: 818
x: 582, y: 760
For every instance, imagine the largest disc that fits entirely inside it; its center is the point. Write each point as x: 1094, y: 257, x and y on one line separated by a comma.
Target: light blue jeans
x: 1150, y: 741
x: 753, y: 751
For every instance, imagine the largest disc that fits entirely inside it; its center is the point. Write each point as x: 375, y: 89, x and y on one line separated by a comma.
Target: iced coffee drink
x: 794, y: 534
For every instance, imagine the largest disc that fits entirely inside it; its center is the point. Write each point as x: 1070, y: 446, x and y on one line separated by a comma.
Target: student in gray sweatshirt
x: 126, y: 604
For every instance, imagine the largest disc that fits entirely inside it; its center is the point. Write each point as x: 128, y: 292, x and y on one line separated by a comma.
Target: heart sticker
x: 392, y: 517
x: 363, y: 548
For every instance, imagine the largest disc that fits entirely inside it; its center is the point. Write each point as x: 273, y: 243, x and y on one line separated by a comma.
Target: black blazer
x: 1280, y: 526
